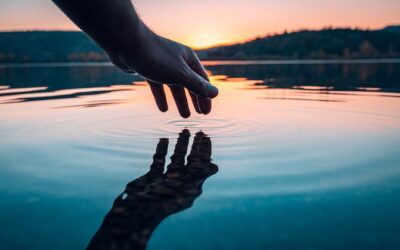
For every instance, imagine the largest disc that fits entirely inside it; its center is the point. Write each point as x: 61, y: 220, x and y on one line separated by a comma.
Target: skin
x: 115, y: 26
x: 149, y: 199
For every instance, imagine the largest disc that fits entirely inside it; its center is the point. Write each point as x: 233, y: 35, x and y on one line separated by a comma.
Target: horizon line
x: 225, y: 44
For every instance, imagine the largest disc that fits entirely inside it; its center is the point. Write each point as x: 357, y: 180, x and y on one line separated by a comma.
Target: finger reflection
x: 151, y: 198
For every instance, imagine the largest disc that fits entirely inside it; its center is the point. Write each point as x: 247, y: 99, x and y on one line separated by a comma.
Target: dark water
x: 301, y: 155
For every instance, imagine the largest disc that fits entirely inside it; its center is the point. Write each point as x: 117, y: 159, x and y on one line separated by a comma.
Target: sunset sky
x: 209, y: 22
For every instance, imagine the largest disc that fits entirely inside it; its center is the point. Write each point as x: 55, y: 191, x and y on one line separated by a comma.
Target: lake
x: 308, y: 156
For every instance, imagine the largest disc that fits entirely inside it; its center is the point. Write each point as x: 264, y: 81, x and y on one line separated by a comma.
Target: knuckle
x: 189, y: 54
x: 188, y: 49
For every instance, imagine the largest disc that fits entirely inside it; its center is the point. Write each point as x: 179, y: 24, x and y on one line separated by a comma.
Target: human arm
x: 133, y: 47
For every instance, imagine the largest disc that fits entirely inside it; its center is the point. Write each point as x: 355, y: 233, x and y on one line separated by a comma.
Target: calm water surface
x: 308, y: 157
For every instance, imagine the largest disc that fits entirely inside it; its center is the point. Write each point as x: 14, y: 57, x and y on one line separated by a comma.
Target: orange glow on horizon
x: 207, y: 23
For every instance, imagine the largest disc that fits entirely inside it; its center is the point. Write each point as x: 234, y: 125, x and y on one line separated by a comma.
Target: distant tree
x: 368, y: 50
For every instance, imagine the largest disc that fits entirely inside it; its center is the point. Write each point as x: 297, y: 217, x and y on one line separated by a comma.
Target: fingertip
x: 212, y: 91
x: 164, y: 140
x: 199, y: 86
x: 163, y: 109
x: 185, y: 132
x: 213, y: 167
x: 185, y: 115
x: 206, y: 107
x: 159, y: 95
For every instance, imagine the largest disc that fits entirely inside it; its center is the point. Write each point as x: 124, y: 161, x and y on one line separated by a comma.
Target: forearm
x: 113, y: 24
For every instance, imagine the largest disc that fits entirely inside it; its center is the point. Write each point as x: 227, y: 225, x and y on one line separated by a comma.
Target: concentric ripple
x: 124, y: 131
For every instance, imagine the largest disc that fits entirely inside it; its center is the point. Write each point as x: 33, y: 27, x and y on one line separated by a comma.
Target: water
x: 308, y: 157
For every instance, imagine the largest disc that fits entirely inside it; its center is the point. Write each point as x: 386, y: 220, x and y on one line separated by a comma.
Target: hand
x: 148, y: 200
x: 133, y: 47
x: 162, y: 61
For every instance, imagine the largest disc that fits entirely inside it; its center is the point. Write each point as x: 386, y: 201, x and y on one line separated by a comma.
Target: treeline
x: 59, y: 46
x: 48, y: 46
x: 309, y: 44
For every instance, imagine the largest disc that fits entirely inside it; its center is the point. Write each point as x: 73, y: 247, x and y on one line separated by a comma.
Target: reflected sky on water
x: 308, y: 156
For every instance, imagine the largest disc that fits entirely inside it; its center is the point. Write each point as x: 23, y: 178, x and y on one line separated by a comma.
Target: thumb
x: 199, y: 86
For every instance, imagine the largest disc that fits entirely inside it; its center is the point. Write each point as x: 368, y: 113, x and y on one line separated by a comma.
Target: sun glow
x: 207, y: 38
x: 208, y: 23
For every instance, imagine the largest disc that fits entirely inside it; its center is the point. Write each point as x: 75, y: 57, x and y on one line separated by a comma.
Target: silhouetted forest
x: 48, y: 46
x: 57, y: 46
x: 322, y: 44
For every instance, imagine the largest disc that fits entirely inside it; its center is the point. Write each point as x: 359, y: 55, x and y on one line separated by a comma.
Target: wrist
x: 124, y: 36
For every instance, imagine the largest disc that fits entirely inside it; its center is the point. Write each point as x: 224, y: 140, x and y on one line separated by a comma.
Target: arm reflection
x: 151, y: 198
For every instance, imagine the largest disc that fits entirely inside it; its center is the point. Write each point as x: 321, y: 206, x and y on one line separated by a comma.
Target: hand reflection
x: 151, y: 198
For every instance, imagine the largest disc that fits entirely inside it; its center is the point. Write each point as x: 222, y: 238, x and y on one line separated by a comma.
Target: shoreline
x: 217, y: 62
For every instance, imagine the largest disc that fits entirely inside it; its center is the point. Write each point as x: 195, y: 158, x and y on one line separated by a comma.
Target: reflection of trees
x: 338, y: 76
x: 66, y: 77
x: 91, y: 56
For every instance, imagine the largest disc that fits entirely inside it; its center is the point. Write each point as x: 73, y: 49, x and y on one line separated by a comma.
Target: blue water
x: 308, y: 157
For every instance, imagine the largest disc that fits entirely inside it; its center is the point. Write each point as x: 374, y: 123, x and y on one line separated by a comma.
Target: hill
x: 48, y: 46
x: 309, y: 44
x: 59, y: 46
